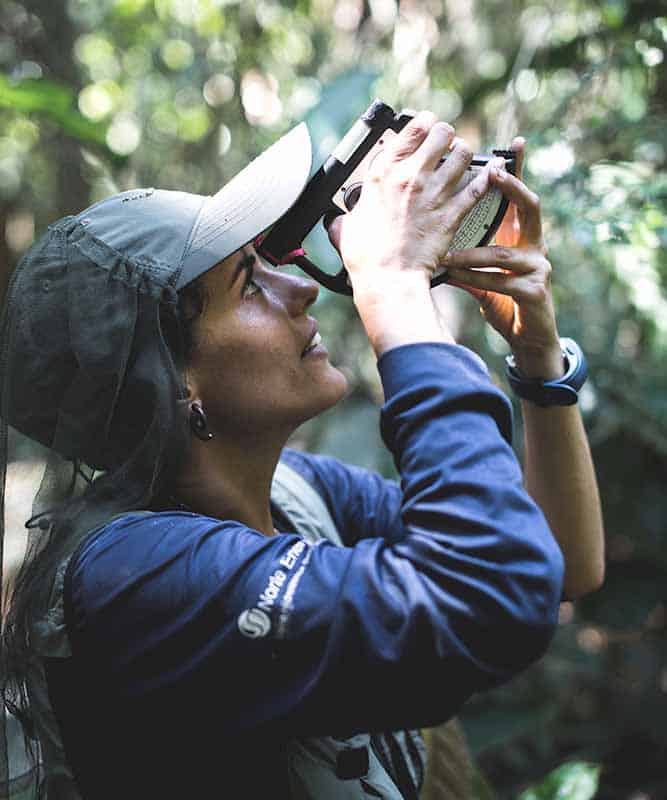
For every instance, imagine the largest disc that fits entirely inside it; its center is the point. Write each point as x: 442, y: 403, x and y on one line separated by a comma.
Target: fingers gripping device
x: 283, y: 243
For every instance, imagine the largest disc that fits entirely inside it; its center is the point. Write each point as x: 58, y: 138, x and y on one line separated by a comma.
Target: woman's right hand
x: 408, y: 213
x: 401, y: 228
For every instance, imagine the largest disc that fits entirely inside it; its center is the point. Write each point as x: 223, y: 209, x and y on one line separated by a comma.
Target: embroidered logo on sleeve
x: 287, y: 605
x: 254, y: 623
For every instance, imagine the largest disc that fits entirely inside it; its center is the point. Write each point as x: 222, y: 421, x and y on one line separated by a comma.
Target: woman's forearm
x: 560, y: 476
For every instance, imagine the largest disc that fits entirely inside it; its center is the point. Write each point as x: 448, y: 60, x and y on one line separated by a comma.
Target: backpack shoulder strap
x: 302, y: 505
x: 393, y: 756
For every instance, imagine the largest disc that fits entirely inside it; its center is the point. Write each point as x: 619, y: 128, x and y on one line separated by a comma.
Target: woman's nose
x: 300, y: 293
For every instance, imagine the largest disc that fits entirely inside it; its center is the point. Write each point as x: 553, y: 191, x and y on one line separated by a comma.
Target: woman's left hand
x: 516, y: 301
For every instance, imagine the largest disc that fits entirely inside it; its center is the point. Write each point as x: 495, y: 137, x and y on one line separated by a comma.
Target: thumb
x: 334, y: 231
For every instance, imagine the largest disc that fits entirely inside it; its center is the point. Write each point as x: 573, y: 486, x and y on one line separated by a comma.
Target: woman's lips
x: 314, y: 345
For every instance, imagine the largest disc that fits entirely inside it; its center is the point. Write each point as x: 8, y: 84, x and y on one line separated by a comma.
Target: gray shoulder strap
x: 313, y: 764
x: 302, y: 505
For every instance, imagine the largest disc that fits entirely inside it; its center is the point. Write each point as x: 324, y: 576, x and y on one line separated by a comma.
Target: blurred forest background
x: 105, y: 95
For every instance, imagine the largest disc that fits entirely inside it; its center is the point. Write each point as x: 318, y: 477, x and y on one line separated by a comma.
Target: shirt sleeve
x: 315, y: 640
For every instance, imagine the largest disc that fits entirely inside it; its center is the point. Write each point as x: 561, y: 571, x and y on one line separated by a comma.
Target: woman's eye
x: 250, y: 288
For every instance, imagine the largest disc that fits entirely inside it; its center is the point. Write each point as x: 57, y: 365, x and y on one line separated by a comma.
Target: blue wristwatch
x: 560, y: 392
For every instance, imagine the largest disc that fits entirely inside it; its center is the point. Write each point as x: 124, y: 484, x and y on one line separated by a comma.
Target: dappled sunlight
x: 111, y: 95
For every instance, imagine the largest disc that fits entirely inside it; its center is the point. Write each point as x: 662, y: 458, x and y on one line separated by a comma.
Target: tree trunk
x: 53, y: 50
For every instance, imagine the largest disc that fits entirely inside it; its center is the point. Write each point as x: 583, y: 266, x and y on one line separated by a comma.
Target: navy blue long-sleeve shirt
x: 448, y: 584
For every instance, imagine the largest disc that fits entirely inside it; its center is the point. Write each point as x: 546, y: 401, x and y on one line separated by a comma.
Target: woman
x: 188, y: 651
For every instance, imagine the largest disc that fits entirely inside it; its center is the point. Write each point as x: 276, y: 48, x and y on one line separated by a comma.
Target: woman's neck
x: 230, y: 481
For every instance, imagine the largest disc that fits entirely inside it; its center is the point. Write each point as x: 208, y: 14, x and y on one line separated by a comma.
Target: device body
x: 284, y: 241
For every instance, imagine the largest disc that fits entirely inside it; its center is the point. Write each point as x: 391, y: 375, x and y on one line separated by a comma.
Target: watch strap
x: 563, y: 391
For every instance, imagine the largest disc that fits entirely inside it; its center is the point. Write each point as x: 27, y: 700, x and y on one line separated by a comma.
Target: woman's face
x: 257, y: 366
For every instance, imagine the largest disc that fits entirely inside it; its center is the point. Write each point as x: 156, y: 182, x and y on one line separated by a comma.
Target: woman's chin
x: 334, y: 387
x: 340, y: 384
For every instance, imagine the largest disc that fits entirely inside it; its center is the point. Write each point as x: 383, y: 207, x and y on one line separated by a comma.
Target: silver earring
x: 199, y: 423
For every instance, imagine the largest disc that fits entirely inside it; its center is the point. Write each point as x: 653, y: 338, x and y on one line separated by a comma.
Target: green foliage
x: 180, y: 95
x: 37, y: 97
x: 488, y: 727
x: 572, y: 781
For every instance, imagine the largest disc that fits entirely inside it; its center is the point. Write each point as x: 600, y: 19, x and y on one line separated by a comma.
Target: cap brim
x: 251, y: 202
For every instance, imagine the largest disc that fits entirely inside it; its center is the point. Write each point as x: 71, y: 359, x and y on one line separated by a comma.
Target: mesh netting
x: 90, y: 426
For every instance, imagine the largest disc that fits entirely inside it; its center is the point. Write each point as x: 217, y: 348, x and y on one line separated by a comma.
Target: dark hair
x: 159, y: 430
x: 192, y: 300
x: 179, y: 330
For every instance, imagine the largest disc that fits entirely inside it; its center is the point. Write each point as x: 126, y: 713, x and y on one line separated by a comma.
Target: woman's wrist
x: 544, y: 363
x: 399, y: 310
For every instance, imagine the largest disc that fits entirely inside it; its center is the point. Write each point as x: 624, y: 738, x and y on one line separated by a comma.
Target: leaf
x: 575, y: 780
x: 55, y: 101
x: 492, y: 727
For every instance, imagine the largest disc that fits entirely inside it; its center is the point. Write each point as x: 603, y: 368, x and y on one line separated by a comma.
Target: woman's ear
x: 189, y: 383
x: 188, y: 400
x: 188, y: 396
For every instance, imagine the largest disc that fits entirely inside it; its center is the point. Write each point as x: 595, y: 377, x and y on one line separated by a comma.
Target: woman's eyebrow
x: 246, y: 262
